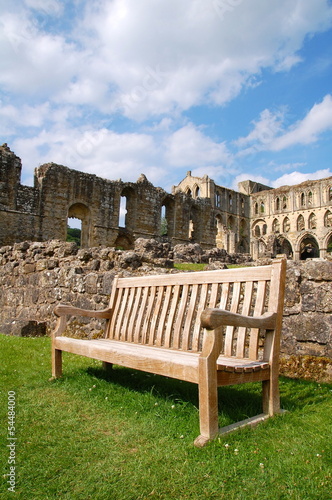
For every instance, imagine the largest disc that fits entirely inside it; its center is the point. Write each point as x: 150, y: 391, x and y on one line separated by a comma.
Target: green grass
x: 189, y: 266
x: 129, y: 435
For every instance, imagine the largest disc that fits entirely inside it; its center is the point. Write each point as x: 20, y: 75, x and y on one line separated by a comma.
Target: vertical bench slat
x: 134, y: 312
x: 214, y: 295
x: 171, y: 316
x: 120, y: 320
x: 259, y: 309
x: 163, y: 316
x: 241, y: 334
x: 112, y: 327
x: 201, y: 306
x: 141, y: 313
x: 189, y: 318
x: 230, y: 329
x: 156, y: 314
x: 147, y: 319
x: 180, y: 317
x: 130, y: 304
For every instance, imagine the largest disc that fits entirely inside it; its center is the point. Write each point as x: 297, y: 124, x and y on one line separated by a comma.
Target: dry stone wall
x: 35, y: 276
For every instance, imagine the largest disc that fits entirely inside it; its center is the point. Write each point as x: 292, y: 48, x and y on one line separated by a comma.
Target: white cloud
x: 188, y: 146
x: 298, y: 177
x: 306, y: 131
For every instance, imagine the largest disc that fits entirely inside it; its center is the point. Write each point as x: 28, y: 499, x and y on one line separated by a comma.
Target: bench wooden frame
x: 212, y: 328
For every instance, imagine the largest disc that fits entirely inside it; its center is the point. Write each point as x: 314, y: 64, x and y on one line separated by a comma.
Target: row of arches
x: 305, y: 247
x: 287, y: 225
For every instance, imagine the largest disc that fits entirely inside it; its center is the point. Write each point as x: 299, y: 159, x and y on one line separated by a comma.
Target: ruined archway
x: 81, y: 212
x: 309, y: 248
x: 281, y: 245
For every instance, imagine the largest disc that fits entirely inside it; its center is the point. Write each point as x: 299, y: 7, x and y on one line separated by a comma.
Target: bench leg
x: 107, y: 366
x: 271, y: 396
x: 208, y: 404
x: 56, y: 363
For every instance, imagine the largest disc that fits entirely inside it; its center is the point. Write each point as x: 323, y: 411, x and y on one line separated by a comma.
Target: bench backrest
x: 165, y: 310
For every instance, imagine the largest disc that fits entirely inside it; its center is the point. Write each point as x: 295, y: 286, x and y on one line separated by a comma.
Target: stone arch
x: 124, y: 240
x: 328, y: 218
x: 82, y: 212
x: 302, y: 200
x: 282, y: 245
x: 308, y: 247
x: 328, y: 244
x: 194, y: 225
x: 259, y: 228
x: 329, y: 193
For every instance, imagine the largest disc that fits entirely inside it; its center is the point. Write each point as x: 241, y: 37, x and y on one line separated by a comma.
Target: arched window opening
x: 189, y: 193
x: 328, y: 219
x: 218, y: 199
x: 286, y: 225
x: 74, y: 230
x: 256, y: 208
x: 257, y: 231
x: 302, y: 200
x: 264, y: 230
x: 330, y: 194
x: 312, y: 222
x: 262, y: 207
x: 230, y: 201
x: 123, y: 211
x: 163, y: 222
x: 242, y: 206
x: 284, y: 203
x: 197, y: 192
x: 329, y: 246
x: 276, y: 226
x: 300, y: 225
x: 277, y: 204
x: 310, y: 198
x: 79, y: 219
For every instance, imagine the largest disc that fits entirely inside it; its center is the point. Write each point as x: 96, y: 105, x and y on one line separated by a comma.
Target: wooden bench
x: 212, y: 328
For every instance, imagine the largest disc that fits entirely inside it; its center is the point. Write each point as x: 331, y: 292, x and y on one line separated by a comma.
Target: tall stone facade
x: 257, y: 220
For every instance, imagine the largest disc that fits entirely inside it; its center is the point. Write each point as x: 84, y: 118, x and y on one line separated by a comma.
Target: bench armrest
x: 214, y: 318
x: 63, y: 310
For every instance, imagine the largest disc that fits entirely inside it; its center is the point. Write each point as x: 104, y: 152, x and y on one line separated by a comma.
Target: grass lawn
x: 130, y: 436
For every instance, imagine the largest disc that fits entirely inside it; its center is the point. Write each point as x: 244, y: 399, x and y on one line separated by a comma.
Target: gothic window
x: 242, y: 206
x: 276, y: 226
x: 277, y: 204
x: 197, y: 192
x: 309, y: 198
x: 302, y: 200
x: 262, y: 207
x: 300, y: 223
x: 286, y: 225
x: 230, y: 202
x: 330, y: 194
x: 312, y: 223
x: 328, y: 219
x: 257, y: 231
x: 284, y: 203
x: 264, y: 229
x: 218, y: 199
x: 189, y: 192
x: 256, y: 208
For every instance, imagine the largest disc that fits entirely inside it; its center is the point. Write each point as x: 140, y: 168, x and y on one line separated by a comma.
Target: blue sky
x: 236, y: 89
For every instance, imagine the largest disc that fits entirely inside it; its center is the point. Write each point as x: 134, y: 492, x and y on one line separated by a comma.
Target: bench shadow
x: 235, y: 402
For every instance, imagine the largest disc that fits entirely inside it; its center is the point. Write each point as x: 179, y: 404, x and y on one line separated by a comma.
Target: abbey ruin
x: 256, y: 220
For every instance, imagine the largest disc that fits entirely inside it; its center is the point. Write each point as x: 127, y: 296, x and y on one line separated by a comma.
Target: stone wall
x: 34, y: 276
